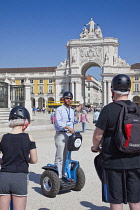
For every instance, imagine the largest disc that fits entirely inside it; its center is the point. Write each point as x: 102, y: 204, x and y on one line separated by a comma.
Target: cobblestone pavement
x: 89, y: 198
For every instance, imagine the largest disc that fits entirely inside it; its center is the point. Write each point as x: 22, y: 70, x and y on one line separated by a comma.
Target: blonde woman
x: 18, y: 150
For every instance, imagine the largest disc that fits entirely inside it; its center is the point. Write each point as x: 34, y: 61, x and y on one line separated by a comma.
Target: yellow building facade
x: 42, y: 81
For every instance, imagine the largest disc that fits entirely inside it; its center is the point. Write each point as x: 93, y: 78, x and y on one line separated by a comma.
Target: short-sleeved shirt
x: 15, y: 149
x: 112, y: 157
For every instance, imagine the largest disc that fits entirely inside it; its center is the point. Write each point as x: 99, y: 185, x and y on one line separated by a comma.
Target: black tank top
x: 15, y: 149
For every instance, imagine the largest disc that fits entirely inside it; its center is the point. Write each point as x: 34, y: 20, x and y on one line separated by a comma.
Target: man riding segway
x: 65, y: 118
x: 64, y: 126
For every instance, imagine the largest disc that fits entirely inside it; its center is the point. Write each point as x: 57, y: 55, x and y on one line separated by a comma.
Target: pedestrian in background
x: 83, y: 120
x: 43, y: 109
x: 96, y: 115
x: 34, y: 110
x: 52, y: 117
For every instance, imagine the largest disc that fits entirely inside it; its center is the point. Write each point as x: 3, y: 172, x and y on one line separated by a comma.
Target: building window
x: 31, y: 81
x: 22, y: 81
x: 136, y: 87
x: 50, y: 80
x: 136, y: 78
x: 41, y: 81
x: 50, y: 89
x: 88, y: 89
x: 88, y: 94
x: 88, y: 83
x: 40, y: 89
x: 32, y: 90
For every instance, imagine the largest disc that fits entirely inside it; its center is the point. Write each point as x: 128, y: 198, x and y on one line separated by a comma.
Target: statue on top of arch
x: 63, y: 64
x: 119, y: 61
x: 92, y: 31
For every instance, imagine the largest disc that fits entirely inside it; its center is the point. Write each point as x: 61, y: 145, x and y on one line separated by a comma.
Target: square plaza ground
x: 89, y: 197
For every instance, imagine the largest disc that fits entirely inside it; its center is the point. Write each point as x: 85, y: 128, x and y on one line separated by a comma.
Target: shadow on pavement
x: 43, y: 209
x: 34, y: 177
x: 90, y: 206
x: 90, y: 129
x: 38, y: 190
x: 64, y: 192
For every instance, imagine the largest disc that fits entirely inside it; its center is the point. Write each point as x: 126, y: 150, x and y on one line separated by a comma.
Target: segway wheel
x: 80, y: 179
x: 50, y: 183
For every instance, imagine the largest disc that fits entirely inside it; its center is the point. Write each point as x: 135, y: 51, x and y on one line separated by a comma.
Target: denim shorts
x: 13, y: 183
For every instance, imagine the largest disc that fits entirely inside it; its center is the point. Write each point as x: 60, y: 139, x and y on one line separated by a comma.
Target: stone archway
x: 90, y: 50
x: 61, y: 99
x: 84, y: 69
x: 136, y: 99
x: 33, y: 102
x: 41, y: 102
x: 50, y: 99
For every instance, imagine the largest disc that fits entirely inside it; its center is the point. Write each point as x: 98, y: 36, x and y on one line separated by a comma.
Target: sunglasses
x: 68, y: 98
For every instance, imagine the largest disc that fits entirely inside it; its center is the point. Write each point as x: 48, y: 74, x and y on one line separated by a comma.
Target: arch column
x: 36, y: 102
x: 72, y: 89
x: 78, y: 90
x: 104, y: 93
x: 67, y: 86
x: 9, y: 101
x: 109, y: 92
x: 28, y: 85
x: 58, y: 90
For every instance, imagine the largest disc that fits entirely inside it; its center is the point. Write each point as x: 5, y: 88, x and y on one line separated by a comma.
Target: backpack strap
x: 132, y: 107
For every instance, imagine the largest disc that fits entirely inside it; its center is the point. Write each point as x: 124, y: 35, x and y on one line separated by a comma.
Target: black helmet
x: 67, y: 94
x: 121, y: 82
x: 19, y: 112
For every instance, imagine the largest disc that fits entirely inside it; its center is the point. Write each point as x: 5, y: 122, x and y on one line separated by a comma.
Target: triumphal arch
x: 91, y: 49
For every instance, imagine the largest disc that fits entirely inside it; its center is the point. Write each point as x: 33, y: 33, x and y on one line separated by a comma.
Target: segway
x: 74, y: 175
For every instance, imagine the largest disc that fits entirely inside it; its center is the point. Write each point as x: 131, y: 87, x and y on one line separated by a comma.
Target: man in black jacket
x: 121, y: 171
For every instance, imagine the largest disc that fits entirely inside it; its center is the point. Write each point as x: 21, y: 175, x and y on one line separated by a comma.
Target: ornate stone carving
x: 106, y: 59
x: 82, y: 53
x: 74, y: 57
x: 91, y: 52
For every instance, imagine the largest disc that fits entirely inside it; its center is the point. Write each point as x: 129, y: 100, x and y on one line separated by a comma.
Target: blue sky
x: 34, y: 33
